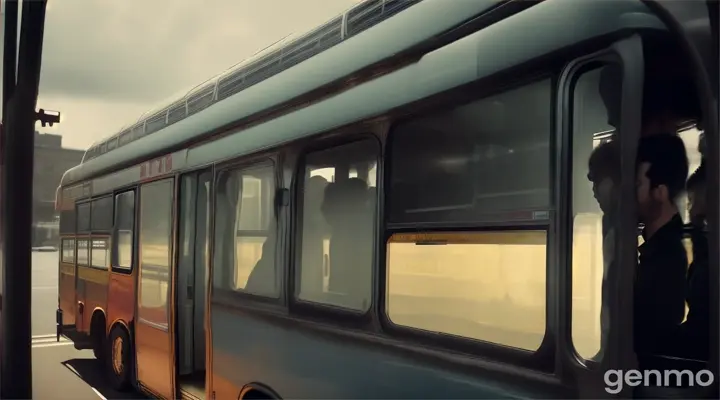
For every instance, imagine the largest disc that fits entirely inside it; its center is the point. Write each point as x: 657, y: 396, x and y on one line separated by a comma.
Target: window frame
x: 338, y: 315
x: 543, y: 358
x: 93, y: 239
x: 114, y: 263
x: 62, y: 250
x: 88, y: 239
x: 225, y: 296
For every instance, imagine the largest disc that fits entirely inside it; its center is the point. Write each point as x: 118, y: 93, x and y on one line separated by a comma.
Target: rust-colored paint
x: 152, y: 349
x: 95, y: 295
x: 66, y: 292
x: 121, y: 299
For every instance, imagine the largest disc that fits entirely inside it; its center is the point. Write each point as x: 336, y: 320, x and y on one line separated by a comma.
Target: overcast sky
x: 106, y: 62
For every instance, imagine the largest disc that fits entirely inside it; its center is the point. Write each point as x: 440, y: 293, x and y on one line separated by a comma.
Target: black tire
x: 98, y: 344
x: 119, y: 358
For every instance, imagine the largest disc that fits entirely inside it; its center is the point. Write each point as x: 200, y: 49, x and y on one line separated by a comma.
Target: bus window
x: 124, y: 228
x: 246, y: 231
x: 83, y: 217
x: 591, y: 129
x: 436, y: 283
x: 102, y: 214
x: 68, y: 251
x: 337, y: 236
x: 156, y: 201
x: 476, y: 163
x: 99, y: 253
x: 83, y: 256
x: 474, y: 160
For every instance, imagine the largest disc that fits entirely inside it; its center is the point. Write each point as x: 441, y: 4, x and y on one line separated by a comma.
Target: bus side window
x: 475, y: 166
x: 337, y: 227
x: 590, y: 254
x: 124, y: 226
x: 245, y: 231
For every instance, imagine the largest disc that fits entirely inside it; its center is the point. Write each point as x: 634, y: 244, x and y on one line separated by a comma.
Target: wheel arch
x: 257, y: 390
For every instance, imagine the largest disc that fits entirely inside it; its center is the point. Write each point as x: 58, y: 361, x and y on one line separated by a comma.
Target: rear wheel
x: 119, y: 356
x: 97, y: 335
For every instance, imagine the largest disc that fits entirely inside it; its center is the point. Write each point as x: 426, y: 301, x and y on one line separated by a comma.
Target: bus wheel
x: 119, y: 358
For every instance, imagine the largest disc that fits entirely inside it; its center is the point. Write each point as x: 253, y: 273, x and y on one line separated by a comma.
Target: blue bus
x: 393, y: 205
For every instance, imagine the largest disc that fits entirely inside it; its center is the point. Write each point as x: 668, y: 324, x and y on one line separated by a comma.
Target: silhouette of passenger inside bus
x: 659, y: 293
x: 315, y: 230
x: 604, y: 173
x: 262, y: 278
x: 345, y: 209
x: 696, y: 328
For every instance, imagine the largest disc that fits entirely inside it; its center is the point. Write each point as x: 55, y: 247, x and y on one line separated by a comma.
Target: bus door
x: 192, y: 274
x: 154, y: 338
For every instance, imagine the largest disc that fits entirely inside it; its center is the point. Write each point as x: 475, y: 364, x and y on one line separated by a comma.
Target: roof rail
x: 264, y: 64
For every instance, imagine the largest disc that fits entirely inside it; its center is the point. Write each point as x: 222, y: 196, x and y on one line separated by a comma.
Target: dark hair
x: 697, y: 178
x: 604, y: 162
x: 668, y: 162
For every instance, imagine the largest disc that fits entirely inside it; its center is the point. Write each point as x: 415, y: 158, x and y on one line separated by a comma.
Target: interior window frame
x: 225, y: 295
x: 334, y: 314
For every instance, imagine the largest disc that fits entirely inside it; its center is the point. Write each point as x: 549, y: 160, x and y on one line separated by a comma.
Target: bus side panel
x: 66, y: 293
x: 247, y: 349
x: 121, y: 298
x: 95, y: 281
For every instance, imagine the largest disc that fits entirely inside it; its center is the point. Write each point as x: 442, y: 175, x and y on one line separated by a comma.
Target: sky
x: 107, y: 62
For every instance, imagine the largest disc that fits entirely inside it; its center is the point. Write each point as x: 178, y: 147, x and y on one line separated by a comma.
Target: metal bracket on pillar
x: 47, y: 119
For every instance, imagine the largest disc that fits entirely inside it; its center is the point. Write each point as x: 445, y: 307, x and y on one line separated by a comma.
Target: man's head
x: 604, y: 173
x: 696, y: 185
x: 662, y: 167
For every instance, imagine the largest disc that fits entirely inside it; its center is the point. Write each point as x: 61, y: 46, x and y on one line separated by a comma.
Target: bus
x: 393, y: 205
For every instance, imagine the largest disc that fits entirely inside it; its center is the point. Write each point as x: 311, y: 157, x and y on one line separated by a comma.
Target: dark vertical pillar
x: 10, y: 23
x: 17, y: 173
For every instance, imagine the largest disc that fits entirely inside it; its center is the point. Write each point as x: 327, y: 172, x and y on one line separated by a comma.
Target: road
x: 44, y: 292
x: 60, y: 371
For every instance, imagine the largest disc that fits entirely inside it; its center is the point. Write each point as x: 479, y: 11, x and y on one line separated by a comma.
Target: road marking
x: 44, y: 336
x: 39, y: 341
x: 41, y: 345
x: 98, y: 393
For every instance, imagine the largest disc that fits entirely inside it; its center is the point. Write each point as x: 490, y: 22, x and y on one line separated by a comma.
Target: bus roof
x: 433, y: 73
x: 264, y: 64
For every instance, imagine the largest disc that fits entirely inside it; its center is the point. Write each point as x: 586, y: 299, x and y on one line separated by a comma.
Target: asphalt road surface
x: 44, y: 292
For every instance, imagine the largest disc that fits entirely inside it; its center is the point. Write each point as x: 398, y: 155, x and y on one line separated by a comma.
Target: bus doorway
x: 192, y: 273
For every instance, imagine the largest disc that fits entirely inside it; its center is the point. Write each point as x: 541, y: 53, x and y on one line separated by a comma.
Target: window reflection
x: 156, y: 201
x: 482, y: 285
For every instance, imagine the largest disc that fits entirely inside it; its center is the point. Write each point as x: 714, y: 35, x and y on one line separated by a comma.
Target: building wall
x: 51, y: 162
